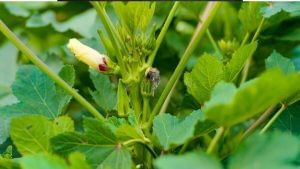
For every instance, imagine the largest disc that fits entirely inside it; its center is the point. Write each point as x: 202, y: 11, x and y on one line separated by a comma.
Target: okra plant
x: 117, y: 102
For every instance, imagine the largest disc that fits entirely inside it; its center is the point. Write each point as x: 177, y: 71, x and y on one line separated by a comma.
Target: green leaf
x: 73, y: 24
x: 44, y: 161
x: 229, y: 106
x: 271, y: 150
x: 37, y: 95
x: 37, y: 90
x: 8, y: 164
x: 286, y: 66
x: 98, y: 143
x: 31, y: 133
x: 135, y: 15
x: 126, y: 132
x: 277, y: 60
x: 288, y: 121
x: 105, y: 94
x: 78, y: 161
x: 249, y: 21
x: 169, y: 130
x: 194, y: 160
x: 48, y: 161
x: 207, y: 72
x: 276, y: 7
x: 238, y: 60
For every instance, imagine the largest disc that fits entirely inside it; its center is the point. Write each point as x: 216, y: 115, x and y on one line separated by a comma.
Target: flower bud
x: 88, y: 55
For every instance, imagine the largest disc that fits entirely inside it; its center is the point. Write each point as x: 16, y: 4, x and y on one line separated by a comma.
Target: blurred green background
x: 46, y: 27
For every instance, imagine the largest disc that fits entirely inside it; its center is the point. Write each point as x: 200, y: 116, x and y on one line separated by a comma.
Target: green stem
x: 146, y: 109
x: 143, y: 143
x: 202, y: 26
x: 44, y: 68
x: 246, y: 37
x: 162, y: 33
x: 248, y: 61
x: 215, y: 140
x: 135, y: 98
x: 213, y: 42
x: 258, y: 122
x: 273, y: 119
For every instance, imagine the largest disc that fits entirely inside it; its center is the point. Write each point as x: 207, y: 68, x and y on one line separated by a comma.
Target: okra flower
x: 88, y: 55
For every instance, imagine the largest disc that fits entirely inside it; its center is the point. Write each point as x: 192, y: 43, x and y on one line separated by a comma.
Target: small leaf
x: 277, y: 60
x: 207, y: 72
x: 267, y: 151
x: 170, y: 130
x: 195, y: 160
x: 249, y: 21
x: 238, y: 60
x: 229, y: 106
x: 126, y: 132
x: 105, y: 94
x: 276, y: 7
x: 134, y: 15
x: 98, y: 143
x: 31, y: 133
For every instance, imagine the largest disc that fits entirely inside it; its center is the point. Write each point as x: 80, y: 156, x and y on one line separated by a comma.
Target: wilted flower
x: 88, y: 55
x: 150, y: 81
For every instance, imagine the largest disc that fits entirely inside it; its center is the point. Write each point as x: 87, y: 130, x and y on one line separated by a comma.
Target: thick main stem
x: 162, y: 33
x: 44, y: 68
x: 202, y: 26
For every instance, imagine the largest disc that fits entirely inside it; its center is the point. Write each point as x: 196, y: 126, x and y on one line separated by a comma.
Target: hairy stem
x: 44, y: 68
x: 213, y: 143
x: 162, y: 33
x: 273, y: 119
x: 202, y: 26
x: 248, y: 61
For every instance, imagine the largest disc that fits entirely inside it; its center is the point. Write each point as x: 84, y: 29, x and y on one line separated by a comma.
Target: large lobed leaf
x: 230, y: 105
x: 37, y: 94
x: 98, y: 143
x: 31, y: 133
